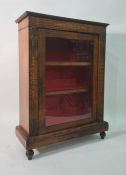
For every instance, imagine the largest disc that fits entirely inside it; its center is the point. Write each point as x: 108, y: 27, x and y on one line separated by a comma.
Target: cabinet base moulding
x: 33, y: 142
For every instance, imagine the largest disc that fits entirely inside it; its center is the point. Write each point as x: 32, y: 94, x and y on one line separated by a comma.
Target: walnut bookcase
x: 62, y: 63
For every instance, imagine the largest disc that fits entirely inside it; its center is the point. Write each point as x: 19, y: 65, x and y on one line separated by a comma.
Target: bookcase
x: 62, y: 63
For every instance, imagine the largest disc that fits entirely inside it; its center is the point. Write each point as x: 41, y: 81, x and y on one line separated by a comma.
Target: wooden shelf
x: 65, y: 63
x: 66, y: 91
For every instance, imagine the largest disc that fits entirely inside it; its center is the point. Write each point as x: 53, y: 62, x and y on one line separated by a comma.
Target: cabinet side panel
x: 24, y: 78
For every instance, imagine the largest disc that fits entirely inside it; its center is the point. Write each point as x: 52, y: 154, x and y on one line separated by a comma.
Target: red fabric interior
x: 59, y: 49
x: 58, y: 120
x: 66, y: 108
x: 69, y: 107
x: 61, y: 78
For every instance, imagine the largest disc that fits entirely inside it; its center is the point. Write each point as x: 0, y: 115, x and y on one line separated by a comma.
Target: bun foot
x: 29, y: 154
x: 102, y: 134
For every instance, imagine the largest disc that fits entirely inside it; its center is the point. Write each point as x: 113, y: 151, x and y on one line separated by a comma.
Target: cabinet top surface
x: 40, y: 15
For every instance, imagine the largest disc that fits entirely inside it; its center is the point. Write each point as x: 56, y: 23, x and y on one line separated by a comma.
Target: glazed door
x: 68, y: 83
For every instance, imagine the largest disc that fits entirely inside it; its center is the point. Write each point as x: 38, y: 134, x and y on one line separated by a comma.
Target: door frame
x: 42, y: 34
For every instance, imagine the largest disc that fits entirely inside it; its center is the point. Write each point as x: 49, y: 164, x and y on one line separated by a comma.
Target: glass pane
x: 59, y: 49
x: 63, y: 78
x: 68, y: 84
x: 67, y: 108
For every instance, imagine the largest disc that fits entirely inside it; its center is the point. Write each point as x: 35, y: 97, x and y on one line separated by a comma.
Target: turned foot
x: 29, y: 154
x: 102, y: 134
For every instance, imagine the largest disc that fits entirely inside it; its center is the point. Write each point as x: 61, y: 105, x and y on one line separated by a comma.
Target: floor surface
x: 87, y: 155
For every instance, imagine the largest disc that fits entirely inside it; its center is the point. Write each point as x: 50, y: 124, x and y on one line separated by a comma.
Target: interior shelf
x: 65, y: 63
x: 66, y: 91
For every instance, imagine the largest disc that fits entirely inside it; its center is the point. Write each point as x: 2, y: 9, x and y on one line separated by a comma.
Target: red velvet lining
x: 59, y: 49
x: 58, y: 120
x: 61, y: 78
x: 64, y: 108
x: 69, y: 107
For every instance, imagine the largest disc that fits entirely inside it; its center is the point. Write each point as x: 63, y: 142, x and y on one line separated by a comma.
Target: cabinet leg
x: 102, y: 134
x: 29, y: 154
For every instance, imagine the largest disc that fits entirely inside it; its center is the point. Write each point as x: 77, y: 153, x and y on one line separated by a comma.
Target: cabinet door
x: 68, y: 79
